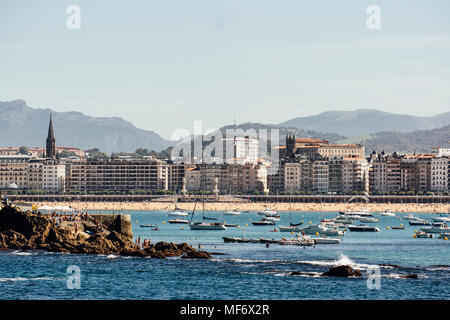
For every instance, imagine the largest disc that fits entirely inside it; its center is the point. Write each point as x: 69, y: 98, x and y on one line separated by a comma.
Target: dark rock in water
x: 28, y: 231
x: 342, y: 271
x: 396, y: 266
x: 196, y: 255
x: 410, y: 276
x: 298, y: 273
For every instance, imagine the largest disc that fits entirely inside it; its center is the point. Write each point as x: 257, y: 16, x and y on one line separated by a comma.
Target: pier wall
x: 117, y: 222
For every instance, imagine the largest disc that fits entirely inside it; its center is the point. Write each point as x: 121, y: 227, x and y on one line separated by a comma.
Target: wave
x: 28, y: 279
x: 255, y: 261
x: 23, y: 253
x: 343, y: 260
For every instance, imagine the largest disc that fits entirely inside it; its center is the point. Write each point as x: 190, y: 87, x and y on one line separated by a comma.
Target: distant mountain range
x: 366, y: 121
x: 420, y: 141
x: 21, y: 125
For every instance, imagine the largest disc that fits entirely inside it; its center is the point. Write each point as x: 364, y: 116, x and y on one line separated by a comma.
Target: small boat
x: 178, y: 221
x: 268, y: 212
x: 231, y: 225
x: 441, y: 219
x: 147, y: 226
x: 178, y: 212
x: 388, y: 213
x: 207, y: 226
x: 344, y: 220
x: 322, y: 230
x: 232, y: 213
x: 398, y: 228
x: 263, y: 223
x: 367, y: 220
x: 276, y: 218
x: 230, y: 240
x: 423, y: 234
x: 436, y: 227
x: 325, y: 240
x: 362, y: 228
x: 410, y: 217
x: 419, y: 222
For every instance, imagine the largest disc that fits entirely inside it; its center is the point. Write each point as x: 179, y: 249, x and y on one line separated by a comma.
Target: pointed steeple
x: 50, y: 150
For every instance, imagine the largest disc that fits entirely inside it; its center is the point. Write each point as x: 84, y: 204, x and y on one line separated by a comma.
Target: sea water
x: 243, y: 271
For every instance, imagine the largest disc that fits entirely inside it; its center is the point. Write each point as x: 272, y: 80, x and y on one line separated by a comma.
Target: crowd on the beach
x: 59, y: 218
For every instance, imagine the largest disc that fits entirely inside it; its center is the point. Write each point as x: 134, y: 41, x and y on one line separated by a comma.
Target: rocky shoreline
x: 21, y: 230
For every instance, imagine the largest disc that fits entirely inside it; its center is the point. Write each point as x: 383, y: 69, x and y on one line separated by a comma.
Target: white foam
x: 23, y: 253
x: 27, y: 279
x: 343, y: 260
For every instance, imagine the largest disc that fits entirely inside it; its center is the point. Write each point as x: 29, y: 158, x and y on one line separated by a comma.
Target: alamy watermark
x: 374, y: 278
x: 228, y: 146
x: 373, y: 22
x: 73, y: 21
x: 73, y: 277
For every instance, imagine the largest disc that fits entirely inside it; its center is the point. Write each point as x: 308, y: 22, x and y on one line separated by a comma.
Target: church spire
x: 50, y: 150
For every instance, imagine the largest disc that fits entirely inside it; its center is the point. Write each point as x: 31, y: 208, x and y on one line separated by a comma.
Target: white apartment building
x: 439, y: 174
x: 245, y: 150
x: 53, y: 177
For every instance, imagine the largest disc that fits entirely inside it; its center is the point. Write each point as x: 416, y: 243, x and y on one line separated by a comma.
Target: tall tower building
x: 50, y: 150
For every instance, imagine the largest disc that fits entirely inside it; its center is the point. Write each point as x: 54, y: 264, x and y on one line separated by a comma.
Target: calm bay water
x: 245, y: 271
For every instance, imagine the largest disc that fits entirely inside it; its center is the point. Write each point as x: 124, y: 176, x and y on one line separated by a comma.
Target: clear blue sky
x: 164, y: 64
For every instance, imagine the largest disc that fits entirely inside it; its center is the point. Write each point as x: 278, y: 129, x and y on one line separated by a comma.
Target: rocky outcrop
x: 342, y: 271
x: 28, y: 231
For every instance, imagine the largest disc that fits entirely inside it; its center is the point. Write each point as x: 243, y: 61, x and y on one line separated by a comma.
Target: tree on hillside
x: 96, y: 154
x: 142, y: 152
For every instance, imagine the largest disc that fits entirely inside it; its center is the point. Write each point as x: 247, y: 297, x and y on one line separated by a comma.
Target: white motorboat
x: 423, y: 234
x: 388, y: 213
x: 178, y: 212
x: 440, y: 219
x: 178, y: 221
x: 410, y: 217
x: 232, y: 213
x: 263, y: 222
x: 268, y: 212
x: 344, y: 220
x: 368, y: 220
x: 276, y: 218
x: 436, y: 227
x: 419, y: 222
x: 362, y: 228
x: 359, y: 213
x: 322, y: 230
x: 325, y: 240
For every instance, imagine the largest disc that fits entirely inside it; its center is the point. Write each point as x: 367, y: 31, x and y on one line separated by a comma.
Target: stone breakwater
x: 21, y: 230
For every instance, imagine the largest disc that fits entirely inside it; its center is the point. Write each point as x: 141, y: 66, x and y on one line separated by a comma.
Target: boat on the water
x: 147, y: 226
x: 398, y: 228
x: 263, y: 222
x: 178, y: 221
x: 410, y: 217
x: 290, y: 229
x: 388, y: 213
x: 177, y: 212
x: 367, y: 219
x: 202, y: 225
x: 232, y: 213
x: 362, y: 228
x: 423, y: 234
x: 440, y: 219
x: 322, y: 230
x: 325, y: 240
x: 419, y: 222
x: 268, y: 212
x: 436, y: 227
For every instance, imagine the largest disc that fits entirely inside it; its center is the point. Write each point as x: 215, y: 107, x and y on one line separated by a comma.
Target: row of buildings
x: 310, y: 165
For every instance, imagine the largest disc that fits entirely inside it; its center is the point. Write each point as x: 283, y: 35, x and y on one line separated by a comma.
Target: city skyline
x: 217, y: 62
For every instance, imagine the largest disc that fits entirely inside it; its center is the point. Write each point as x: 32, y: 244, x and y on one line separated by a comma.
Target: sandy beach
x: 286, y: 207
